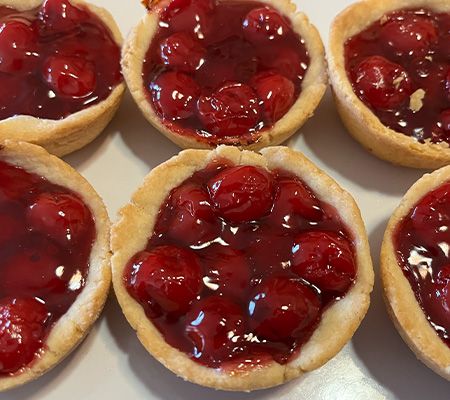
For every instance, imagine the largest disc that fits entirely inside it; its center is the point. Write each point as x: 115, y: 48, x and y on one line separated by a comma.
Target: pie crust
x: 61, y: 137
x: 73, y: 326
x: 359, y: 120
x: 313, y: 86
x: 401, y: 303
x: 139, y: 216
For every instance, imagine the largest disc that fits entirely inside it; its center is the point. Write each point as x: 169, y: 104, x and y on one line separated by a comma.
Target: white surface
x: 111, y: 363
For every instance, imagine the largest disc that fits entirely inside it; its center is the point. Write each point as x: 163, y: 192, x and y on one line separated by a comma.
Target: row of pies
x: 245, y: 73
x: 238, y: 270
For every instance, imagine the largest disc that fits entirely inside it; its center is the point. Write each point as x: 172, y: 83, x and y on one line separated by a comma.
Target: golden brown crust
x: 313, y: 86
x: 360, y: 121
x: 73, y: 326
x: 61, y: 137
x: 139, y: 216
x: 401, y: 303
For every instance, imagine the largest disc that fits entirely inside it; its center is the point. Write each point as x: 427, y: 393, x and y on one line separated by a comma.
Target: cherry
x: 22, y: 332
x: 61, y: 216
x: 282, y: 308
x: 193, y: 221
x: 232, y: 110
x: 325, y: 260
x: 284, y: 61
x: 167, y: 278
x: 215, y: 326
x: 227, y: 269
x: 409, y: 35
x: 242, y: 193
x: 437, y: 302
x: 180, y: 51
x: 18, y: 47
x: 174, y: 95
x: 15, y: 183
x: 447, y: 84
x: 292, y: 200
x: 263, y: 25
x: 12, y: 225
x: 384, y: 84
x: 276, y: 93
x: 60, y: 16
x: 445, y: 120
x: 70, y: 76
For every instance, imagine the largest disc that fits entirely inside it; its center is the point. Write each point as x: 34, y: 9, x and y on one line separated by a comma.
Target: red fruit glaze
x: 22, y: 329
x: 222, y: 46
x: 276, y: 93
x: 167, y: 278
x: 241, y: 194
x: 231, y: 110
x: 215, y: 326
x: 325, y: 260
x: 55, y: 60
x: 405, y: 51
x: 421, y: 241
x: 246, y: 300
x: 175, y: 95
x: 45, y: 247
x: 282, y: 308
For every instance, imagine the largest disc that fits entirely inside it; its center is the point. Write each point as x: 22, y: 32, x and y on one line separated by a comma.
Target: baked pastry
x: 390, y: 72
x: 238, y: 271
x: 208, y: 72
x: 54, y: 261
x: 415, y: 269
x: 60, y: 77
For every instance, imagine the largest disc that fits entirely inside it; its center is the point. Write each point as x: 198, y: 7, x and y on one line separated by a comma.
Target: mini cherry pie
x: 210, y: 72
x: 60, y: 76
x: 415, y: 269
x: 390, y: 72
x: 241, y: 266
x: 54, y: 261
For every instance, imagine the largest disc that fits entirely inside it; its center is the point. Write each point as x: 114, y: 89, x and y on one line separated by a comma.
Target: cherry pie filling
x: 55, y: 60
x: 422, y: 243
x: 400, y: 68
x: 223, y: 71
x: 46, y: 238
x: 241, y: 265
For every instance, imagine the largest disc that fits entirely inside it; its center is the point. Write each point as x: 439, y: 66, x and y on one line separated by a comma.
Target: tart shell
x: 75, y: 324
x: 313, y: 86
x: 401, y: 303
x: 64, y: 136
x: 359, y: 120
x: 139, y: 216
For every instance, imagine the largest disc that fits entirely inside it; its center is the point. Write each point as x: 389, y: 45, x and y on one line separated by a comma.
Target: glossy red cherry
x: 384, y: 84
x: 61, y: 216
x: 445, y: 120
x: 437, y: 302
x: 15, y: 183
x: 60, y: 16
x: 292, y: 200
x: 264, y: 24
x: 193, y: 221
x: 12, y: 225
x: 282, y: 308
x: 447, y: 84
x: 228, y: 270
x: 22, y: 330
x: 242, y: 193
x: 70, y: 76
x: 182, y: 52
x: 409, y: 35
x: 18, y: 47
x: 215, y: 326
x: 284, y: 61
x: 174, y: 95
x: 167, y: 278
x: 36, y: 270
x: 276, y: 94
x: 232, y: 110
x: 325, y: 260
